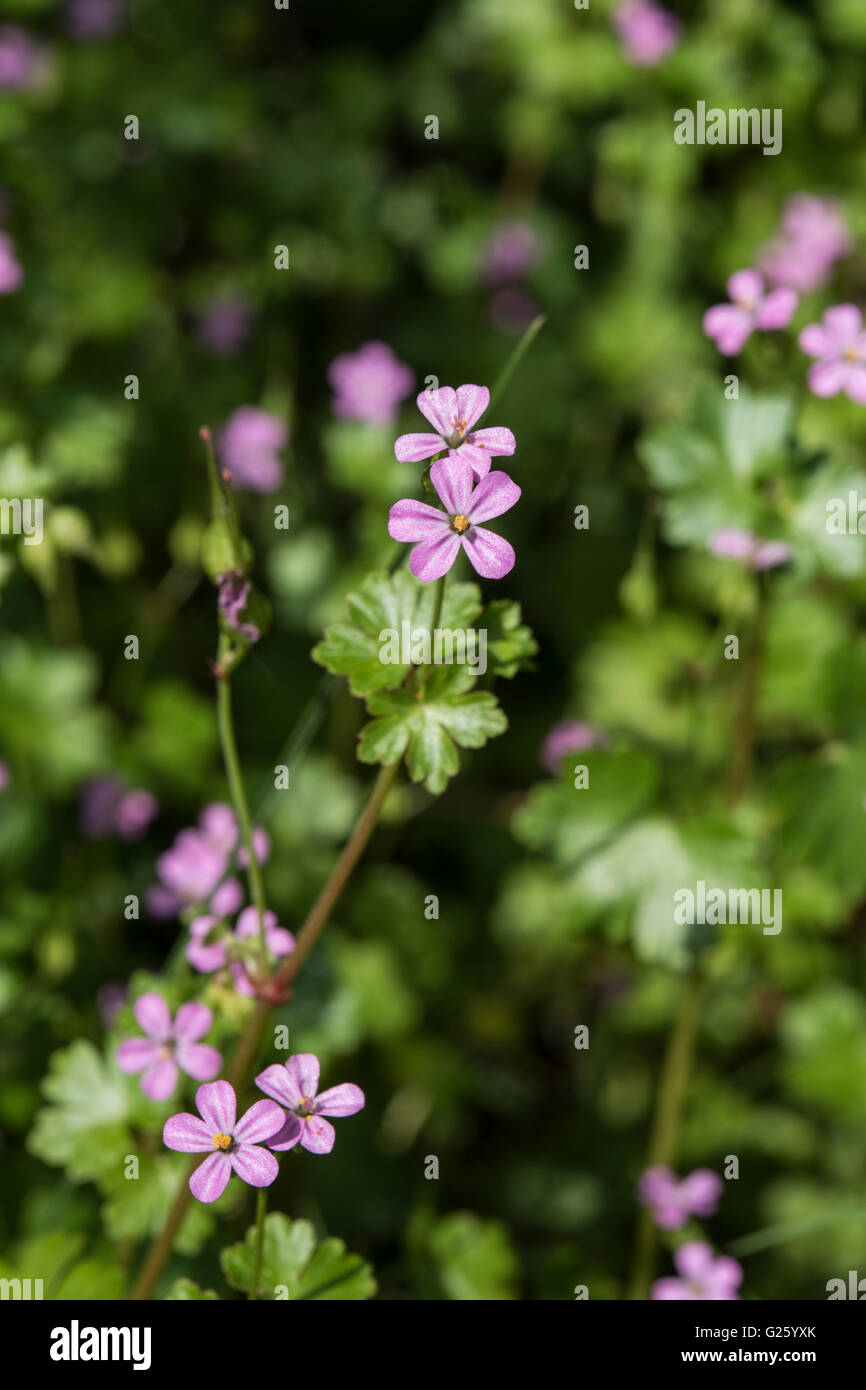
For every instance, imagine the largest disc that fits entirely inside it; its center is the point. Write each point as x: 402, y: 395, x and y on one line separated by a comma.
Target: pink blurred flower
x: 224, y: 325
x: 731, y: 544
x: 109, y: 808
x: 839, y: 343
x: 703, y: 1275
x: 168, y: 1046
x: 510, y: 253
x: 568, y: 736
x: 11, y: 272
x: 647, y: 32
x: 22, y: 62
x: 5, y: 776
x: 442, y: 535
x: 812, y: 237
x: 248, y: 446
x: 369, y: 384
x: 92, y: 20
x: 730, y: 325
x: 452, y: 415
x: 673, y: 1200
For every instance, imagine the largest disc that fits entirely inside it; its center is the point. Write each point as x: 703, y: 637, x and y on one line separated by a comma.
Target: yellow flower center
x: 852, y: 354
x: 222, y: 1141
x: 460, y: 523
x: 459, y: 426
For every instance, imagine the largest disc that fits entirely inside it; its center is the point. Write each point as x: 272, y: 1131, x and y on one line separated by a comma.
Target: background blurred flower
x: 646, y: 31
x: 248, y: 446
x: 568, y: 736
x: 22, y: 62
x: 703, y: 1275
x: 730, y: 325
x: 224, y: 325
x: 369, y: 384
x: 673, y: 1200
x: 839, y: 343
x: 110, y: 808
x: 812, y: 237
x: 11, y: 272
x: 731, y: 544
x: 92, y: 20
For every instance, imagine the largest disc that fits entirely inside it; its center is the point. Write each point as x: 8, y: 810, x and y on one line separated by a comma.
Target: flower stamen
x: 460, y: 523
x: 222, y: 1141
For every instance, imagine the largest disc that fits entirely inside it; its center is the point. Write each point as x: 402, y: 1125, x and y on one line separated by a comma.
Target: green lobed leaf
x: 294, y: 1266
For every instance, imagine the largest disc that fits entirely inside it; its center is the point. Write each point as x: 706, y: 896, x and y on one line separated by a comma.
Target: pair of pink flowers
x: 246, y: 1146
x: 468, y: 491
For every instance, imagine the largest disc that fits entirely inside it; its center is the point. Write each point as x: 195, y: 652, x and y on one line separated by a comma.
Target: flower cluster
x: 811, y: 238
x: 247, y: 1146
x: 469, y: 493
x: 110, y: 808
x: 672, y: 1201
x: 193, y: 873
x: 646, y: 31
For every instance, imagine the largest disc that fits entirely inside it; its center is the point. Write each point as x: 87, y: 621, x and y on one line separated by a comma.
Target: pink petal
x: 248, y: 922
x: 279, y: 1082
x: 256, y: 1166
x: 192, y: 1021
x: 412, y: 448
x: 198, y: 1060
x: 262, y: 1121
x: 188, y: 1134
x: 844, y: 322
x: 346, y: 1099
x: 160, y: 1080
x: 431, y: 559
x: 728, y: 326
x: 152, y: 1016
x: 694, y: 1260
x: 452, y: 479
x: 415, y: 521
x: 217, y: 1105
x: 304, y: 1069
x: 478, y: 460
x: 776, y: 310
x: 227, y: 898
x: 745, y: 287
x: 727, y: 1273
x: 440, y: 408
x: 491, y: 556
x: 815, y: 340
x: 288, y: 1136
x: 827, y: 378
x: 855, y: 384
x: 495, y: 441
x: 494, y: 495
x: 701, y: 1190
x: 472, y: 401
x: 770, y: 554
x: 280, y: 941
x: 211, y: 1177
x: 317, y: 1136
x: 667, y: 1289
x: 137, y: 1053
x: 206, y: 958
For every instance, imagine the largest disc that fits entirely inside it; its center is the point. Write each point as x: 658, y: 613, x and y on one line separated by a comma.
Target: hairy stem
x: 239, y: 801
x: 261, y: 1208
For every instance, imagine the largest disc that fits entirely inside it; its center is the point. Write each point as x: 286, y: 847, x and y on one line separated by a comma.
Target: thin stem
x: 516, y: 357
x: 747, y: 714
x: 228, y: 742
x: 261, y: 1208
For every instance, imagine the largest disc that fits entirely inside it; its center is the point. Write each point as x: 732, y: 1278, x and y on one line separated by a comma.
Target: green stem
x: 261, y: 1208
x: 516, y: 357
x: 225, y: 724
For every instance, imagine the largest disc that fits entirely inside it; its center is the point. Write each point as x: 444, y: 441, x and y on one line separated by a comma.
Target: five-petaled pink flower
x: 440, y: 535
x: 729, y: 325
x: 168, y: 1046
x: 453, y: 415
x: 294, y: 1086
x: 839, y: 343
x: 231, y: 1144
x: 703, y: 1275
x: 673, y: 1200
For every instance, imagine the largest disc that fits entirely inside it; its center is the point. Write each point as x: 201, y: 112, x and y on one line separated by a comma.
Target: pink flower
x: 224, y: 325
x: 839, y: 343
x: 219, y: 826
x: 369, y: 384
x: 702, y: 1275
x: 248, y: 446
x: 168, y: 1046
x: 11, y: 273
x: 442, y: 534
x: 510, y: 253
x: 729, y: 325
x: 109, y: 808
x: 731, y: 544
x: 568, y: 736
x: 22, y: 63
x: 190, y: 872
x: 453, y: 414
x: 295, y: 1085
x: 813, y: 236
x: 236, y: 1141
x: 674, y: 1201
x: 208, y: 955
x: 647, y: 32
